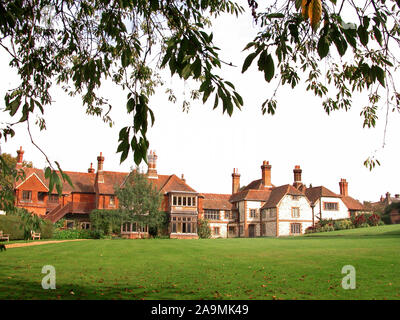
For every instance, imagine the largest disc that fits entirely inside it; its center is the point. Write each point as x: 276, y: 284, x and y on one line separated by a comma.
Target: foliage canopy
x: 80, y: 44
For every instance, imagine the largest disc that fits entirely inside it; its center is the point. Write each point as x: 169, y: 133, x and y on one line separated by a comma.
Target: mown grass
x: 307, y: 267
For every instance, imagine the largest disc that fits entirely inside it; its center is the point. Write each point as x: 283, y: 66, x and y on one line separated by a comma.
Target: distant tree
x: 9, y: 175
x: 139, y: 201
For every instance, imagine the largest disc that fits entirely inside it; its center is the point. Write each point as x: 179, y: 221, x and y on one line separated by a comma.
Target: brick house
x: 95, y: 190
x: 263, y: 209
x: 257, y: 209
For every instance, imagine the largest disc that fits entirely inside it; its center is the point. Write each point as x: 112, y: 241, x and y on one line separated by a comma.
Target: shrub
x: 327, y: 228
x: 311, y: 229
x: 19, y: 226
x: 46, y: 230
x: 12, y: 225
x: 324, y: 222
x: 106, y: 221
x: 373, y: 220
x: 203, y: 230
x: 359, y: 220
x: 343, y: 224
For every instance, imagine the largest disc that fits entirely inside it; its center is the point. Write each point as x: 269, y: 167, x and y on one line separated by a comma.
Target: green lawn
x: 307, y: 267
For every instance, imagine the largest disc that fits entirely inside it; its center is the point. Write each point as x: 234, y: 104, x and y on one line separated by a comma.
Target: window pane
x: 184, y: 201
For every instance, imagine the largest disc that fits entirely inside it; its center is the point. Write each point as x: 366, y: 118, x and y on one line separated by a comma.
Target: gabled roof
x: 278, y: 193
x: 176, y: 184
x: 83, y: 182
x: 216, y: 201
x: 254, y: 185
x: 163, y: 183
x: 352, y: 204
x: 33, y: 175
x: 314, y: 193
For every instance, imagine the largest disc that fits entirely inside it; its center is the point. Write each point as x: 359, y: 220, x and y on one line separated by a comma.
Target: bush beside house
x: 16, y: 227
x: 359, y: 221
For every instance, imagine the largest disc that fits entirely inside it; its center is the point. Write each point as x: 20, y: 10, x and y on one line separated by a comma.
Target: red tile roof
x: 278, y: 193
x: 112, y: 180
x: 216, y: 201
x: 352, y: 204
x: 254, y: 185
x: 314, y: 193
x: 85, y: 182
x: 257, y: 195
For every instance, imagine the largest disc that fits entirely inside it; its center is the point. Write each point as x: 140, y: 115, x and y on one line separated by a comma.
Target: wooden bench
x: 35, y: 235
x: 4, y: 236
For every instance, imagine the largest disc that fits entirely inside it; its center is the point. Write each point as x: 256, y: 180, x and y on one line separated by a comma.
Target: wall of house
x: 285, y: 214
x: 270, y: 228
x: 223, y: 229
x: 341, y: 213
x: 33, y: 205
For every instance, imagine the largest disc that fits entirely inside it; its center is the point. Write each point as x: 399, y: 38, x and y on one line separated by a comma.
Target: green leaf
x: 378, y: 35
x: 323, y: 47
x: 249, y: 59
x: 380, y: 75
x: 269, y: 68
x: 363, y: 35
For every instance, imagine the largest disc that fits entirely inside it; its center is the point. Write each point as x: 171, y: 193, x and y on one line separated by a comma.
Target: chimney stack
x: 183, y: 178
x: 152, y: 165
x: 297, y: 177
x: 343, y: 185
x: 100, y: 162
x: 235, y: 180
x: 266, y: 174
x: 387, y: 199
x: 91, y: 169
x: 20, y: 157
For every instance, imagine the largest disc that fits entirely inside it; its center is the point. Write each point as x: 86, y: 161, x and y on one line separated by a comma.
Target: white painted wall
x: 342, y: 213
x: 285, y: 213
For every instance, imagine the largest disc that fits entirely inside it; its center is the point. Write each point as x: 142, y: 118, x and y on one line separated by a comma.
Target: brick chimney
x: 183, y: 178
x: 343, y: 186
x: 91, y: 169
x: 387, y: 199
x: 266, y: 174
x: 20, y: 157
x: 235, y: 180
x: 297, y: 177
x: 152, y: 165
x: 100, y: 175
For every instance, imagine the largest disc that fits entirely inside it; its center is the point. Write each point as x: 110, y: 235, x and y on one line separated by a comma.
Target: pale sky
x: 205, y: 145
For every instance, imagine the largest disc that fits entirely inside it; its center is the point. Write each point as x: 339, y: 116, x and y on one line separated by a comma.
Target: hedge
x: 12, y: 225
